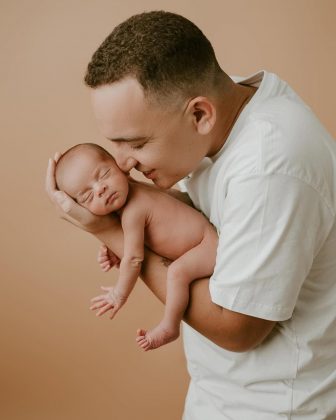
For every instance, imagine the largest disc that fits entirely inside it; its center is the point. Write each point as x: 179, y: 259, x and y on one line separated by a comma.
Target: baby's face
x: 96, y: 183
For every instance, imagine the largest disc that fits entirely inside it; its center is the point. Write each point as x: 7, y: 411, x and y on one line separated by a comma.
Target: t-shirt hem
x: 256, y: 309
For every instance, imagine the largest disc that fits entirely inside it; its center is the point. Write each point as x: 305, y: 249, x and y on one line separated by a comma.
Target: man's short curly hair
x: 164, y: 51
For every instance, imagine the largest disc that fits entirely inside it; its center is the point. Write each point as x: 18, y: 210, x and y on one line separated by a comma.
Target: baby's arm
x: 133, y: 224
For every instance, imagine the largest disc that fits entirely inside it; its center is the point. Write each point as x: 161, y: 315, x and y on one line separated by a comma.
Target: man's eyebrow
x: 126, y: 139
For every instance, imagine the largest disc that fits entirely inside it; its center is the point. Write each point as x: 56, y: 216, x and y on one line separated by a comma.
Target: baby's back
x: 172, y: 227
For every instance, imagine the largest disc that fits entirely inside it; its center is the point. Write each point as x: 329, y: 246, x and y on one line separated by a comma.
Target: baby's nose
x: 100, y: 189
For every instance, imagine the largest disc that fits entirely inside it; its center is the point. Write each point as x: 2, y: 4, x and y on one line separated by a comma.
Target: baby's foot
x: 157, y: 337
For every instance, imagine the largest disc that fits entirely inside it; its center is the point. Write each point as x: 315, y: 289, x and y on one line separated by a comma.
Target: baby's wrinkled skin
x: 149, y: 217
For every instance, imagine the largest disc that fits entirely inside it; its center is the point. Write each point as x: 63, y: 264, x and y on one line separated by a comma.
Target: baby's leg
x: 198, y: 262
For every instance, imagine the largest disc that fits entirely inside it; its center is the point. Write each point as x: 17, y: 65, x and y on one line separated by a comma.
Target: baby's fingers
x: 98, y: 306
x: 103, y: 249
x: 102, y: 252
x: 108, y: 288
x: 98, y: 298
x: 102, y: 258
x: 115, y: 260
x: 106, y: 266
x: 114, y: 312
x: 104, y: 309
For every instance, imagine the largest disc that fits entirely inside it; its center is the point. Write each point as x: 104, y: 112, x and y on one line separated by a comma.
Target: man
x: 254, y: 159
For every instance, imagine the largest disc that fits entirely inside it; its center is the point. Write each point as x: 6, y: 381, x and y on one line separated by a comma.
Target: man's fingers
x: 73, y: 210
x: 68, y: 208
x: 50, y: 183
x: 57, y: 156
x: 64, y: 201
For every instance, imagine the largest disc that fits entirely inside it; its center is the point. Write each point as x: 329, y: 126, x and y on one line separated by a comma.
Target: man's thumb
x: 63, y: 201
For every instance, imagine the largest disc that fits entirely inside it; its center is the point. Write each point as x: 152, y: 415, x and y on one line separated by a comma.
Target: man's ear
x: 203, y: 114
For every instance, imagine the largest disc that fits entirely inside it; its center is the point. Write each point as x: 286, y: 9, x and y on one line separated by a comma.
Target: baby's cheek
x: 98, y: 209
x: 94, y: 208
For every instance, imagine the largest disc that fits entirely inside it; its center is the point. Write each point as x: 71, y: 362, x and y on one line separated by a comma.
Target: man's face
x: 95, y: 183
x: 164, y: 145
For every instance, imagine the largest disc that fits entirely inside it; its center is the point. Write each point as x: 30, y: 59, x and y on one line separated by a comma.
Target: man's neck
x: 228, y: 111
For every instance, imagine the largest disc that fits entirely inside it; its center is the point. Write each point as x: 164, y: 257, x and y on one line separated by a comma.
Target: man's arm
x: 230, y: 330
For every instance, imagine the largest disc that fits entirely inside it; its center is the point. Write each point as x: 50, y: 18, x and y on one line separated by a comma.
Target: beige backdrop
x: 58, y: 361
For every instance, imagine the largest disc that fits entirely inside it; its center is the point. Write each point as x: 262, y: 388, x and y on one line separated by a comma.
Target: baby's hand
x: 107, y: 259
x: 110, y: 301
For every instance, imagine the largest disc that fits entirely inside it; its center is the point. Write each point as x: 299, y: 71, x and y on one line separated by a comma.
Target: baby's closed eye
x: 105, y: 173
x: 84, y: 199
x: 88, y: 197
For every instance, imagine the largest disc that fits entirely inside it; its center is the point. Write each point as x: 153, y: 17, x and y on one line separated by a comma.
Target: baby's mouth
x: 110, y: 198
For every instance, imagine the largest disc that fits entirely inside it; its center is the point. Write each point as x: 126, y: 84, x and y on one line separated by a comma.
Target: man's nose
x: 125, y: 163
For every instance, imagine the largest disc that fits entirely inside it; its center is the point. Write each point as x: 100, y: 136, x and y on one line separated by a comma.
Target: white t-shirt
x: 271, y: 193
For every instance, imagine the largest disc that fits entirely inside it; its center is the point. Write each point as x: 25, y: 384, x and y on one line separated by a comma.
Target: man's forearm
x: 202, y: 314
x: 230, y: 330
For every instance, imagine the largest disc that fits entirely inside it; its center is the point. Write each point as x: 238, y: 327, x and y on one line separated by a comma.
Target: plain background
x: 58, y: 361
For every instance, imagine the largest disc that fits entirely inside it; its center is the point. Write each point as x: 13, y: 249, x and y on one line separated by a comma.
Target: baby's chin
x: 97, y: 212
x: 100, y: 212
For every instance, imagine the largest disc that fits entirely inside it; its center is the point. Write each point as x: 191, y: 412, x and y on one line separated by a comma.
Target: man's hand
x: 107, y: 259
x: 71, y: 211
x: 110, y: 301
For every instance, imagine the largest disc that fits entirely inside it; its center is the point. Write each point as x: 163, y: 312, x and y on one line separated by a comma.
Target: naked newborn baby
x: 149, y: 216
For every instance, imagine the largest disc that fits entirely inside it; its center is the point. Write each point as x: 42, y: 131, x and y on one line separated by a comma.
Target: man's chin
x: 163, y: 184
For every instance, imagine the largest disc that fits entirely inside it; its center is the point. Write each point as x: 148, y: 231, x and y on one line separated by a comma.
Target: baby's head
x: 90, y: 175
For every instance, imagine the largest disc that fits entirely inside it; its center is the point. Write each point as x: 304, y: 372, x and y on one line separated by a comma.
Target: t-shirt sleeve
x: 182, y: 185
x: 272, y: 227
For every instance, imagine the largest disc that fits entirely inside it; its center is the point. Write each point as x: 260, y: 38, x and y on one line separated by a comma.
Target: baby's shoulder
x: 139, y: 201
x: 144, y: 192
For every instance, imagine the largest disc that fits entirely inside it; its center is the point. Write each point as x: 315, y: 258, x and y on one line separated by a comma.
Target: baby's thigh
x: 200, y: 260
x: 207, y: 250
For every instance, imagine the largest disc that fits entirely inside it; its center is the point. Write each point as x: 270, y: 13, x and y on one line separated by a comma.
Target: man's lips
x: 149, y: 174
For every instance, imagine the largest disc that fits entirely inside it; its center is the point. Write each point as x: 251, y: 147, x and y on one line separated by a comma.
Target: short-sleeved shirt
x: 271, y: 194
